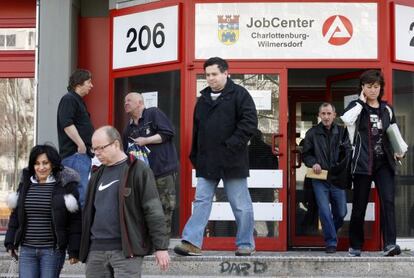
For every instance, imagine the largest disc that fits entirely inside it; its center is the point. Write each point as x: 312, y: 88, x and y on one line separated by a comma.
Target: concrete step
x: 267, y: 264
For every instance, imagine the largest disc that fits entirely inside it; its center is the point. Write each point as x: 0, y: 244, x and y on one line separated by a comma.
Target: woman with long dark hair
x: 46, y: 217
x: 367, y: 120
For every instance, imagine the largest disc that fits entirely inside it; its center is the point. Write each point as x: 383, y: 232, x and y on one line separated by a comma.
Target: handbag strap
x: 356, y: 129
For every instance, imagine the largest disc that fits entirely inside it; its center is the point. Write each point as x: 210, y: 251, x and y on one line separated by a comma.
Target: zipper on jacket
x: 370, y: 156
x: 122, y: 212
x: 53, y: 221
x: 357, y: 152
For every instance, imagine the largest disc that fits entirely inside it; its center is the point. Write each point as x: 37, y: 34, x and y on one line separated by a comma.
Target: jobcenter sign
x: 286, y: 30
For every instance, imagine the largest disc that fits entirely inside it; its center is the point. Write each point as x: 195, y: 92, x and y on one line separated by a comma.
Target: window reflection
x: 403, y: 92
x: 163, y: 91
x: 17, y: 38
x: 16, y: 135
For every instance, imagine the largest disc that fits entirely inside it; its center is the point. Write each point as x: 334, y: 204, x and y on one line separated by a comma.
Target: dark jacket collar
x: 320, y: 128
x: 228, y: 88
x: 131, y: 121
x: 78, y: 97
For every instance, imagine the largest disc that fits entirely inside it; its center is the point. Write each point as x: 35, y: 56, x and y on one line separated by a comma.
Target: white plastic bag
x: 13, y: 268
x: 397, y: 142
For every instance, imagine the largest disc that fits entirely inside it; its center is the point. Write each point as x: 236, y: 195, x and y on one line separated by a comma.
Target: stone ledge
x: 268, y: 264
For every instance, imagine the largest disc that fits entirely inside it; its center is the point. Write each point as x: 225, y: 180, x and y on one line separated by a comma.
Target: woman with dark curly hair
x: 367, y: 120
x: 46, y: 216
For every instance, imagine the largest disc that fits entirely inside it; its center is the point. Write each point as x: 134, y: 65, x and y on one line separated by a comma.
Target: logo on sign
x: 337, y: 30
x: 228, y: 28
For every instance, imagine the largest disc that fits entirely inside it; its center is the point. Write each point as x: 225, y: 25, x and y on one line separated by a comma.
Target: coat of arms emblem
x: 228, y: 28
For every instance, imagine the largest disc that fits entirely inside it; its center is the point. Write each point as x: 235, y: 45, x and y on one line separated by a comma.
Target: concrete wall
x: 94, y: 8
x: 119, y: 4
x: 58, y: 23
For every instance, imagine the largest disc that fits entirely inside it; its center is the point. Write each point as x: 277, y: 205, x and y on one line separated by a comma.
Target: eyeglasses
x: 101, y: 148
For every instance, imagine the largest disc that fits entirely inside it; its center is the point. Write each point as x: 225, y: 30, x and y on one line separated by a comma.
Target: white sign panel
x: 150, y: 99
x: 262, y: 99
x: 145, y: 38
x: 349, y: 98
x: 404, y: 33
x: 286, y: 30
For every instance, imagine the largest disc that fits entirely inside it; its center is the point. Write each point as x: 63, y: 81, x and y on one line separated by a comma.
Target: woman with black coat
x: 367, y: 120
x: 46, y: 217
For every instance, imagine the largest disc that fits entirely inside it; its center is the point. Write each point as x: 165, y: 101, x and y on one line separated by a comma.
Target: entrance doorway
x: 307, y: 89
x: 267, y: 159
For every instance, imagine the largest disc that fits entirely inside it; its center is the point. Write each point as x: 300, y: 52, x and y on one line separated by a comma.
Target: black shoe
x: 330, y: 249
x: 392, y: 250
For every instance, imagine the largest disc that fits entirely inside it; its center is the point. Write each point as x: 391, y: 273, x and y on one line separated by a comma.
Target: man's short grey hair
x: 138, y: 95
x: 113, y: 135
x: 326, y: 104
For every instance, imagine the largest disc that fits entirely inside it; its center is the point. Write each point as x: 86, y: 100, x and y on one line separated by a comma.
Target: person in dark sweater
x: 122, y: 219
x: 46, y: 216
x: 75, y: 128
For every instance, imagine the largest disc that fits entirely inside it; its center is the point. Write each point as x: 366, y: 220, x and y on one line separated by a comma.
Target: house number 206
x: 144, y: 37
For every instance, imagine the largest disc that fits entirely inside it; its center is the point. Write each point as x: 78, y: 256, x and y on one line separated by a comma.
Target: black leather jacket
x: 319, y: 148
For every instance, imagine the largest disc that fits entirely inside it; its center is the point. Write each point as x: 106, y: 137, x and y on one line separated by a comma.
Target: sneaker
x: 330, y: 249
x: 187, y: 249
x: 245, y: 251
x: 354, y: 252
x: 392, y: 250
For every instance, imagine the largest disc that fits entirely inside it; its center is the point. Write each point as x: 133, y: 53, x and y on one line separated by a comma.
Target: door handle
x: 275, y: 149
x: 298, y: 158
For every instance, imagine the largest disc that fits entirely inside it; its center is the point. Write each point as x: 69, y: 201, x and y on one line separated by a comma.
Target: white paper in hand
x: 397, y: 142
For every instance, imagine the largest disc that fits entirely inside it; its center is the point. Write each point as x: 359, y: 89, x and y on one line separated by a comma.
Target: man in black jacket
x: 321, y: 152
x: 225, y: 118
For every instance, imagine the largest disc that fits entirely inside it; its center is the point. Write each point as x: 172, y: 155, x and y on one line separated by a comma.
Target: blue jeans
x: 40, y: 262
x: 81, y: 163
x: 240, y: 202
x: 326, y: 194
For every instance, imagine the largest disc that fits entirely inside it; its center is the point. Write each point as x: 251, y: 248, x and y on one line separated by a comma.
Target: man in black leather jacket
x: 321, y: 152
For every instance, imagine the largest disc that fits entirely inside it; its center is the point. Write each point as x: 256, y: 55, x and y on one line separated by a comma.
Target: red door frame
x: 294, y: 240
x: 372, y: 242
x: 187, y: 64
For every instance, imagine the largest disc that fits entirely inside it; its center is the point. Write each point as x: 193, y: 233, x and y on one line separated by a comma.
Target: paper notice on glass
x: 150, y: 99
x: 262, y: 99
x: 311, y: 174
x: 397, y: 142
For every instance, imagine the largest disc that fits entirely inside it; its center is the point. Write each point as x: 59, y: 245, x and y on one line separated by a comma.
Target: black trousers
x: 383, y: 177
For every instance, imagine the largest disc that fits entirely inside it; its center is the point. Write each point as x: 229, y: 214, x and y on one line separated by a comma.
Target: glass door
x: 305, y: 227
x: 267, y: 160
